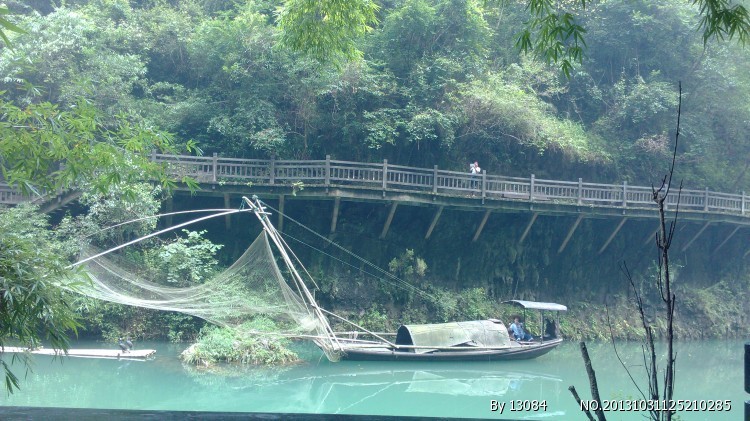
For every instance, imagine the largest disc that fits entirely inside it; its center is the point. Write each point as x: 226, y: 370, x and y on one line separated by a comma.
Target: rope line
x: 395, y: 280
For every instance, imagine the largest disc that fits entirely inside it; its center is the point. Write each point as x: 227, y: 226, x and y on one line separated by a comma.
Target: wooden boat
x: 477, y: 340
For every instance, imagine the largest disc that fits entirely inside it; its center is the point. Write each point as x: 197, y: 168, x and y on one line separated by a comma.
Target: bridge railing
x: 354, y: 174
x: 11, y: 196
x: 386, y: 176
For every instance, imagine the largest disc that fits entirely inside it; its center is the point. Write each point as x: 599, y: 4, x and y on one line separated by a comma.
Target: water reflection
x: 454, y: 385
x: 706, y: 370
x: 378, y: 388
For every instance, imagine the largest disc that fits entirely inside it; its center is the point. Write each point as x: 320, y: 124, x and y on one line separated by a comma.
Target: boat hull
x: 520, y: 352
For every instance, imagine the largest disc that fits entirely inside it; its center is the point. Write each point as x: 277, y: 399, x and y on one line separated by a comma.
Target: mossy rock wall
x: 504, y: 267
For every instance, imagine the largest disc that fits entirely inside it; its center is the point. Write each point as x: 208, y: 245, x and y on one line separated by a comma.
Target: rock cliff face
x: 476, y: 275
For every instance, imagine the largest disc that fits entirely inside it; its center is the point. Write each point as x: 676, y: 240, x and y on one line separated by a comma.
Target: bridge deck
x: 432, y: 186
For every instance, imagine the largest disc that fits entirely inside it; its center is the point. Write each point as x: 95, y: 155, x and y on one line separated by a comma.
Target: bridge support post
x: 481, y: 225
x: 570, y: 234
x: 335, y: 217
x: 612, y: 236
x: 389, y: 219
x: 650, y: 237
x: 695, y: 237
x: 228, y: 218
x: 531, y: 188
x: 747, y: 367
x: 624, y: 194
x: 580, y: 191
x: 281, y: 212
x: 434, y: 222
x: 169, y: 207
x: 728, y: 237
x: 528, y: 227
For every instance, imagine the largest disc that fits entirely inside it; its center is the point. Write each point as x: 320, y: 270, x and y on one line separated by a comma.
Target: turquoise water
x: 706, y: 370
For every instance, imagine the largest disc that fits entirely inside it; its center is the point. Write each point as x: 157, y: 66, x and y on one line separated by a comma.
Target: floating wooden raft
x: 133, y: 354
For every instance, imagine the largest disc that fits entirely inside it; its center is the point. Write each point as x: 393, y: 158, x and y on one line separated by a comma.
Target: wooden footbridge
x: 397, y: 185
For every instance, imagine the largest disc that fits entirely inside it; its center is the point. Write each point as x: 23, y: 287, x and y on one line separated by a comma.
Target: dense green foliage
x: 44, y: 148
x: 326, y: 28
x: 439, y: 82
x: 183, y: 260
x: 35, y: 293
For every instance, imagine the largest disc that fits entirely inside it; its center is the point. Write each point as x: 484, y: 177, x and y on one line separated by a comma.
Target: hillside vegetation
x: 439, y: 82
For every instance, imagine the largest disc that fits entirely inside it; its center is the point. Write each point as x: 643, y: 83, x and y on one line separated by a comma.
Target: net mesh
x: 252, y: 287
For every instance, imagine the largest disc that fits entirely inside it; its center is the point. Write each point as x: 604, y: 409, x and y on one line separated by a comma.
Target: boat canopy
x: 478, y: 333
x: 533, y: 305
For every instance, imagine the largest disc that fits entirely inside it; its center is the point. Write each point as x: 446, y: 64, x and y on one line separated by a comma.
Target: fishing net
x: 252, y: 288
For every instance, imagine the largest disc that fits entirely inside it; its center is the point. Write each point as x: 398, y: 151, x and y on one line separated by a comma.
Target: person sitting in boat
x: 551, y: 329
x: 518, y: 332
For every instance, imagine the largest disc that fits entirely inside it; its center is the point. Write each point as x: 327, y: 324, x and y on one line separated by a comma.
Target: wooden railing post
x: 580, y: 190
x: 385, y: 175
x: 705, y: 201
x: 328, y: 170
x: 273, y: 169
x: 743, y: 202
x: 484, y: 185
x: 531, y: 189
x: 153, y: 155
x: 214, y: 167
x: 625, y: 194
x: 434, y: 178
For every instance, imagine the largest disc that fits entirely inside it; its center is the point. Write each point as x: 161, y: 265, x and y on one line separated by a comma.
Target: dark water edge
x: 706, y: 370
x: 26, y: 413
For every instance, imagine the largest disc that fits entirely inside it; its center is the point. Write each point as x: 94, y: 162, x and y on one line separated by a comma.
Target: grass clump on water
x: 227, y: 345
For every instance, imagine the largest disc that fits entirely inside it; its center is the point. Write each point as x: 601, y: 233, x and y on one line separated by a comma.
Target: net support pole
x: 274, y: 235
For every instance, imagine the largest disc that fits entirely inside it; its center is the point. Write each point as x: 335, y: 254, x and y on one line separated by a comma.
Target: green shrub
x: 219, y: 344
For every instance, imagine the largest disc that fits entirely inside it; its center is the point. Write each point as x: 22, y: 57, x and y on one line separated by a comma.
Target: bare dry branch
x: 617, y: 353
x: 592, y: 381
x: 580, y: 405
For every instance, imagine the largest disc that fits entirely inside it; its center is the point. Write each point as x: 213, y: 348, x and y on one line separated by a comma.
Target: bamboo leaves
x: 555, y: 35
x: 34, y: 287
x: 326, y: 29
x: 722, y: 19
x: 45, y: 148
x: 7, y: 25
